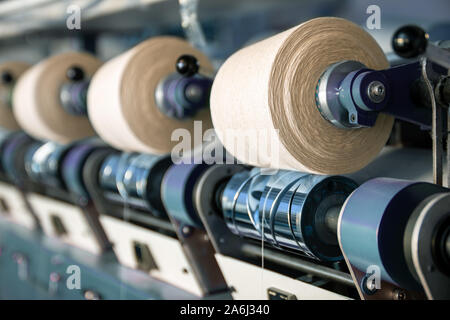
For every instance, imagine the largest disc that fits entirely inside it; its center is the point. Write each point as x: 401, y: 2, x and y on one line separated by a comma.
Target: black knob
x: 187, y: 65
x: 410, y: 41
x: 75, y: 73
x: 7, y: 77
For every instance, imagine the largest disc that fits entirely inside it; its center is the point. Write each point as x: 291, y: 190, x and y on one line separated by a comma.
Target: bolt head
x: 376, y: 91
x: 194, y: 93
x: 399, y: 294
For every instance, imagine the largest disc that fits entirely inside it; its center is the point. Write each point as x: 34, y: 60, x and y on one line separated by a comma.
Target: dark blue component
x: 177, y: 192
x: 73, y: 97
x: 399, y: 81
x: 12, y: 157
x: 401, y: 100
x: 373, y: 222
x: 72, y: 166
x: 354, y: 102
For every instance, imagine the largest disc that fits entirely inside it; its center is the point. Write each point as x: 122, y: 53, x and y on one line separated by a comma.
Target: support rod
x: 299, y: 264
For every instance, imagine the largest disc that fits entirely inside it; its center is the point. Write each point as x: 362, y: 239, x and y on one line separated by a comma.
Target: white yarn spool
x: 37, y: 104
x: 121, y: 97
x: 270, y: 87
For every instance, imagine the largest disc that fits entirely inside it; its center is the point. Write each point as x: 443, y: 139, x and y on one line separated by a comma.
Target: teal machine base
x: 33, y: 266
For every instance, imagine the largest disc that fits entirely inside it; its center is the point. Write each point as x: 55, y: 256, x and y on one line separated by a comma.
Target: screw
x: 186, y: 231
x: 194, y: 93
x: 399, y: 294
x: 376, y: 91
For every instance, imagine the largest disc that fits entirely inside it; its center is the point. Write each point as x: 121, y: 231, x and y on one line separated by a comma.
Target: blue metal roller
x: 373, y: 222
x: 177, y: 192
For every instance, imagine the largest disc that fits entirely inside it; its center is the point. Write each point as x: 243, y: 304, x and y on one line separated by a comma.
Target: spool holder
x: 185, y: 92
x: 73, y: 93
x: 349, y: 95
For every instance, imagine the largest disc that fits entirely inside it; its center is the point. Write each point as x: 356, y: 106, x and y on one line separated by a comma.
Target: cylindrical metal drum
x: 289, y: 209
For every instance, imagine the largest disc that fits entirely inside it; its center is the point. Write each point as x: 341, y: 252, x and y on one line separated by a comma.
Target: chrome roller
x: 135, y: 175
x: 289, y: 210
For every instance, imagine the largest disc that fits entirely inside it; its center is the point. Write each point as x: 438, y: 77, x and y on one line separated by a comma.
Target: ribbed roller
x: 135, y: 176
x: 289, y: 209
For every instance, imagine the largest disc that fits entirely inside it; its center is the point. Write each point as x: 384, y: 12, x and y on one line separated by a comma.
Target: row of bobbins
x: 130, y: 104
x: 135, y: 105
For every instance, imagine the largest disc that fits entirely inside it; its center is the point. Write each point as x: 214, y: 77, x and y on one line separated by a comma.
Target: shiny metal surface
x: 328, y: 93
x: 372, y: 225
x: 135, y: 176
x: 288, y: 209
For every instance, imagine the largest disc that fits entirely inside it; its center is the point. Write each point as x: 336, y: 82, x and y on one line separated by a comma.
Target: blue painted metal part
x: 10, y: 155
x: 73, y: 96
x: 5, y: 138
x: 399, y: 103
x: 353, y: 95
x: 174, y: 97
x: 372, y: 225
x: 72, y: 167
x: 354, y: 102
x: 177, y: 192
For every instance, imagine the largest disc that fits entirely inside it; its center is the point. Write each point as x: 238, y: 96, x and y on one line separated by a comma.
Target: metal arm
x: 349, y: 95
